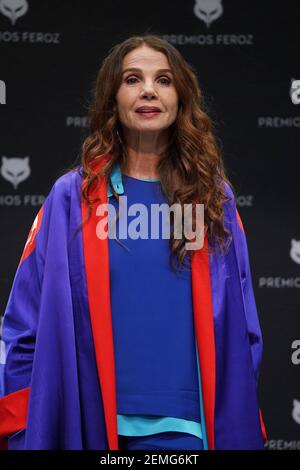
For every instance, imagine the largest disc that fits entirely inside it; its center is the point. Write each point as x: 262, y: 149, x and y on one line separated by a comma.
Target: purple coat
x: 59, y: 373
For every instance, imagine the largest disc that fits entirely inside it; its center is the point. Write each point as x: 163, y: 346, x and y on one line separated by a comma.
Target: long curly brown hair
x: 190, y: 169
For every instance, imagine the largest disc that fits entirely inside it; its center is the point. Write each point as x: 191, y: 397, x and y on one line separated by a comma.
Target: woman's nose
x: 148, y: 89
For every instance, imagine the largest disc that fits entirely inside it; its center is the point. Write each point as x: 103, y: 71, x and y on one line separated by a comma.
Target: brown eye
x: 167, y: 81
x: 130, y: 78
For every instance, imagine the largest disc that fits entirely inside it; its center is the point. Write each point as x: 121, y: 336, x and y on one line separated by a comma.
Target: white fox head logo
x: 15, y: 170
x: 13, y: 9
x: 2, y: 92
x: 296, y: 411
x: 208, y: 10
x: 295, y: 251
x: 295, y: 91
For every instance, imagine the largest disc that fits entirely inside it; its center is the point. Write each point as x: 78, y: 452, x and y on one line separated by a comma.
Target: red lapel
x: 204, y: 330
x: 97, y: 273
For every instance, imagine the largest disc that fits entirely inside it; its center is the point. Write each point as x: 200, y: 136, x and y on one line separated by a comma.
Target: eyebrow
x: 135, y: 69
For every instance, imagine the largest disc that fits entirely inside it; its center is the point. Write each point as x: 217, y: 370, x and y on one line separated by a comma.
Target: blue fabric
x: 116, y: 179
x: 161, y: 441
x: 160, y: 376
x: 137, y: 424
x: 145, y: 425
x: 146, y: 179
x: 130, y: 425
x: 203, y: 425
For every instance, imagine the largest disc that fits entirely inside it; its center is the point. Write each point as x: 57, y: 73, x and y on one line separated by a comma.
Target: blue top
x: 154, y: 342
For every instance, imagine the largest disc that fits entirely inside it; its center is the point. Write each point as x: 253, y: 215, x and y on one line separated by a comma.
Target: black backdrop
x: 247, y: 60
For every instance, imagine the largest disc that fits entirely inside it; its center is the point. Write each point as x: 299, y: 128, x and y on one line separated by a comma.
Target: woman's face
x: 149, y: 84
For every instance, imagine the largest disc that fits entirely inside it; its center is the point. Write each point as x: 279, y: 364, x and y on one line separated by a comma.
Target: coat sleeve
x: 20, y: 325
x: 18, y: 335
x: 251, y: 313
x: 254, y: 330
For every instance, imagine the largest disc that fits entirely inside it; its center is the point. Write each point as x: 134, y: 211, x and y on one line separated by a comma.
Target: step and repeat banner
x: 247, y: 58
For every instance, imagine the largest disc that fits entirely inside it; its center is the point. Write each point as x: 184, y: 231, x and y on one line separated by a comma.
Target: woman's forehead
x: 145, y: 58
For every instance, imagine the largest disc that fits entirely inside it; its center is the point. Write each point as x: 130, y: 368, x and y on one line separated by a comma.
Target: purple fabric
x: 238, y: 343
x: 65, y: 405
x: 49, y: 343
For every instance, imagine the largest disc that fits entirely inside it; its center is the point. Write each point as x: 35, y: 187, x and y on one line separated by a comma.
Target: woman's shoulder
x: 228, y: 189
x: 64, y: 182
x: 72, y: 175
x: 229, y: 204
x: 64, y: 187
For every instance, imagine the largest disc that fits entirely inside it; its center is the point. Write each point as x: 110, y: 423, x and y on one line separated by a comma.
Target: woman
x: 108, y: 344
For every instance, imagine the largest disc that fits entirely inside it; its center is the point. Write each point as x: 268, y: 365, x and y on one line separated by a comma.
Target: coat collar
x: 116, y: 180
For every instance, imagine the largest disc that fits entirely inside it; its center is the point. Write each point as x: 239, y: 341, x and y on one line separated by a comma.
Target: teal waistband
x: 139, y: 425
